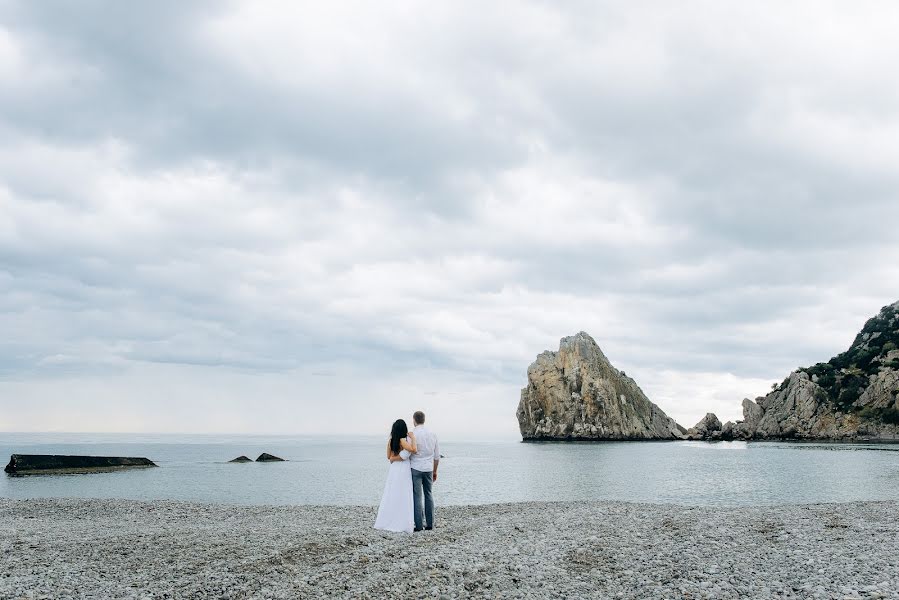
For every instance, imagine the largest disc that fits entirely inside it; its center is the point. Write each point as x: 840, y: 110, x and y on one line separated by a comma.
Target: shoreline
x: 854, y: 441
x: 133, y: 549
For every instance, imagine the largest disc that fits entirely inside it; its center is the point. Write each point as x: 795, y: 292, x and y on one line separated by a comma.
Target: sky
x: 315, y: 218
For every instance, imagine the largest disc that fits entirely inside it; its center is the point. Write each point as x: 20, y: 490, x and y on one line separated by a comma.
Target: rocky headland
x: 852, y: 397
x: 576, y: 394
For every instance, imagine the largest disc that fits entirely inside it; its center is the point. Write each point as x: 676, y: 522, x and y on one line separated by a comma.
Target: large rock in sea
x: 576, y: 394
x: 852, y: 397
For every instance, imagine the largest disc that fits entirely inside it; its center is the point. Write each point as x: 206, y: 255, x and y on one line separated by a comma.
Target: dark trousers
x: 421, y: 482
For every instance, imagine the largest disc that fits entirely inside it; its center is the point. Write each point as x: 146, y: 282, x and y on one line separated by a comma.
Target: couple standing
x: 413, y: 457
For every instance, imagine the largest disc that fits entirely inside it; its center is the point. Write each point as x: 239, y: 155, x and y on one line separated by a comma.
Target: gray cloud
x: 266, y: 193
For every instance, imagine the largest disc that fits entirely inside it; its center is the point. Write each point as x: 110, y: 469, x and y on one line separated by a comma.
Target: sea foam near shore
x: 127, y: 549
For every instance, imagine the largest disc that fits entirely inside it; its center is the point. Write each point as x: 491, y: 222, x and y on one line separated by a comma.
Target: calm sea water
x: 352, y: 471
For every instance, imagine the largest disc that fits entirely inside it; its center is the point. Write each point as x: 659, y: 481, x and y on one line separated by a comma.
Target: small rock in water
x: 266, y: 457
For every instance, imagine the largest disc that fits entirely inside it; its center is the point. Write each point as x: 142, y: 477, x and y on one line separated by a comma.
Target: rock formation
x: 854, y: 396
x: 241, y: 459
x: 709, y: 427
x: 576, y: 394
x: 47, y: 464
x: 266, y: 457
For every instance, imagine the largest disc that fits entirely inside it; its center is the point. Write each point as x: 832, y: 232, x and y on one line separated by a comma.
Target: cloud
x: 235, y: 198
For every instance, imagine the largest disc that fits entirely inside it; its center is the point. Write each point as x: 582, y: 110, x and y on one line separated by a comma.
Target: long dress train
x: 395, y: 512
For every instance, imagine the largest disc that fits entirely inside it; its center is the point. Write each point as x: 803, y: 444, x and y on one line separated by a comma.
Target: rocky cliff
x: 853, y: 396
x: 576, y: 394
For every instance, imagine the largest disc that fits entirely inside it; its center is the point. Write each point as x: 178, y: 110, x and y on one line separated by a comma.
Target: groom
x: 424, y: 471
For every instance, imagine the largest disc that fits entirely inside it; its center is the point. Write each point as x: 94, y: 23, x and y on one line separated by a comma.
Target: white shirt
x: 428, y: 449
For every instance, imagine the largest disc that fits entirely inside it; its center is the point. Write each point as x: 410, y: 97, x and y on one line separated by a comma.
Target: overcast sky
x: 262, y: 217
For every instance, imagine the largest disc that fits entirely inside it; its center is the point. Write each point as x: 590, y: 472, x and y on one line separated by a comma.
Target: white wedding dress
x: 395, y: 512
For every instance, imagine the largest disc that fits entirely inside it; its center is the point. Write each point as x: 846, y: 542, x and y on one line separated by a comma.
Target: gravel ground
x: 124, y: 549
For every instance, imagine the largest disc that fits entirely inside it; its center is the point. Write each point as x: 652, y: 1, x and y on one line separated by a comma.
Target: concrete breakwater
x: 49, y: 464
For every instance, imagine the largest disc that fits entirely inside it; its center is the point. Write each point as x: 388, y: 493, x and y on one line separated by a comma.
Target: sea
x: 351, y: 471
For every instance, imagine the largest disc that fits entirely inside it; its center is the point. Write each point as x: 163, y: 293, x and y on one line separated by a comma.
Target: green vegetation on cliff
x: 845, y: 376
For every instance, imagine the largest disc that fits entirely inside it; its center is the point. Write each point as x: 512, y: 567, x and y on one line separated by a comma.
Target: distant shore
x: 63, y: 548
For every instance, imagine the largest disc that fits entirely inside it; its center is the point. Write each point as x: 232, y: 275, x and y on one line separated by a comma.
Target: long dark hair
x: 397, y: 432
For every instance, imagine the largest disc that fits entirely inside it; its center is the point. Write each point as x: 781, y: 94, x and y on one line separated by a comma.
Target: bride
x: 395, y: 512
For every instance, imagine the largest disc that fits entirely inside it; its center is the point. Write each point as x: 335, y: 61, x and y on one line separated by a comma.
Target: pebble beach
x: 61, y: 548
